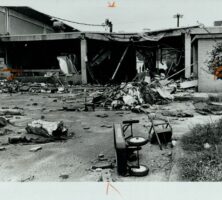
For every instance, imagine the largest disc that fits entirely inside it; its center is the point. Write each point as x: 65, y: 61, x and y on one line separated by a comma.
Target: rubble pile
x: 207, y: 108
x: 130, y: 95
x: 16, y: 86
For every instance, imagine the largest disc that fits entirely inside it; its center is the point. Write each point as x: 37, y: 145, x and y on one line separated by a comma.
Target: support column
x: 158, y: 55
x: 195, y: 60
x: 83, y: 50
x: 187, y: 55
x: 7, y: 25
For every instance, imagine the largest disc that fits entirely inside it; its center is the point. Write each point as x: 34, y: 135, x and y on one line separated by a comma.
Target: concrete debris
x: 104, y: 115
x: 86, y: 128
x: 188, y: 84
x: 129, y: 100
x: 205, y: 108
x: 101, y: 155
x: 18, y: 139
x: 2, y: 148
x: 3, y: 122
x: 64, y: 176
x: 173, y: 142
x: 207, y: 146
x: 30, y: 178
x: 6, y: 132
x: 102, y: 165
x: 116, y: 104
x: 177, y: 113
x: 11, y: 112
x: 34, y: 149
x: 98, y: 169
x: 15, y: 86
x: 47, y: 129
x: 128, y: 95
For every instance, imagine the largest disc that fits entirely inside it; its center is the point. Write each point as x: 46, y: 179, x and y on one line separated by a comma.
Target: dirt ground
x: 76, y: 156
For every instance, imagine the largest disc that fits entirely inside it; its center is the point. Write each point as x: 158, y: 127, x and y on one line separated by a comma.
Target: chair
x: 160, y: 131
x: 125, y: 146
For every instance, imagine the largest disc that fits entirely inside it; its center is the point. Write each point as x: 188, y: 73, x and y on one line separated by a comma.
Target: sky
x: 128, y: 15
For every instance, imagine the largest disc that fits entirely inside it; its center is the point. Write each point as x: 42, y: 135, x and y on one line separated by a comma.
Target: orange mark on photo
x: 218, y: 73
x: 112, y: 4
x: 114, y: 188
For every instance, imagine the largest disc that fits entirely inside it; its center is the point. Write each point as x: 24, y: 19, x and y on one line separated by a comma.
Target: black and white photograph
x: 110, y: 91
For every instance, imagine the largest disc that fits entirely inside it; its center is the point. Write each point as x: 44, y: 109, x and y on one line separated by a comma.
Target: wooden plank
x: 117, y: 68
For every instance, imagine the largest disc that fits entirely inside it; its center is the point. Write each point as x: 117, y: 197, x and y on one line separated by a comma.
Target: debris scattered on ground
x: 102, y: 115
x: 205, y: 108
x: 3, y: 122
x: 30, y: 178
x: 86, y: 128
x: 102, y: 165
x: 106, y: 126
x: 18, y: 139
x: 35, y: 149
x: 47, y: 129
x: 106, y: 175
x: 207, y: 145
x: 173, y: 142
x: 11, y: 112
x: 177, y: 113
x: 129, y: 95
x: 188, y: 84
x: 2, y: 148
x: 64, y: 176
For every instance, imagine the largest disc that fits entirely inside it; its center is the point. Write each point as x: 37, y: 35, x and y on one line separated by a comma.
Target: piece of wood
x: 117, y: 68
x: 34, y: 149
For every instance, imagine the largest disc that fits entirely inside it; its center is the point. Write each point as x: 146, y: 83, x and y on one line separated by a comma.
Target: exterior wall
x: 206, y: 81
x: 3, y: 21
x: 21, y: 24
x: 15, y: 23
x: 20, y: 27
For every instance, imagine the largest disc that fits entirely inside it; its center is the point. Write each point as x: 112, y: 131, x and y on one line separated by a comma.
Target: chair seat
x: 163, y: 130
x: 137, y: 141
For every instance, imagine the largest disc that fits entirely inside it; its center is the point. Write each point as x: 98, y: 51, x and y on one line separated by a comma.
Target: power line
x: 80, y: 23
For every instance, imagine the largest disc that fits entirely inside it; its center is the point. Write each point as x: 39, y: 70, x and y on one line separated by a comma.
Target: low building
x: 19, y: 20
x: 33, y: 41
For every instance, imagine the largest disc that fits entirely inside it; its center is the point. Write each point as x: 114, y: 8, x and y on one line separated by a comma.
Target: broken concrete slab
x: 3, y: 122
x: 35, y: 149
x: 47, y: 129
x: 188, y: 84
x: 2, y: 148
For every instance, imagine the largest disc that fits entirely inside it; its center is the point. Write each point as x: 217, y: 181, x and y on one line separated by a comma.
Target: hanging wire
x: 74, y: 22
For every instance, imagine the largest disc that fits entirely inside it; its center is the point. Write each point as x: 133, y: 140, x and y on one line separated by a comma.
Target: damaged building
x: 34, y: 44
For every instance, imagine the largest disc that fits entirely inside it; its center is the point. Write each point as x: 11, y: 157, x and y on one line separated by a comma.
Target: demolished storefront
x: 99, y: 57
x: 109, y: 58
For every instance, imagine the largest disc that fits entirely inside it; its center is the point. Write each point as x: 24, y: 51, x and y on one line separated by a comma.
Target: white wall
x: 206, y: 81
x: 15, y: 23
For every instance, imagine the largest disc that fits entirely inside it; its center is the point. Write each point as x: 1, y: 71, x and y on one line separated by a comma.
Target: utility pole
x: 178, y: 16
x: 109, y: 24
